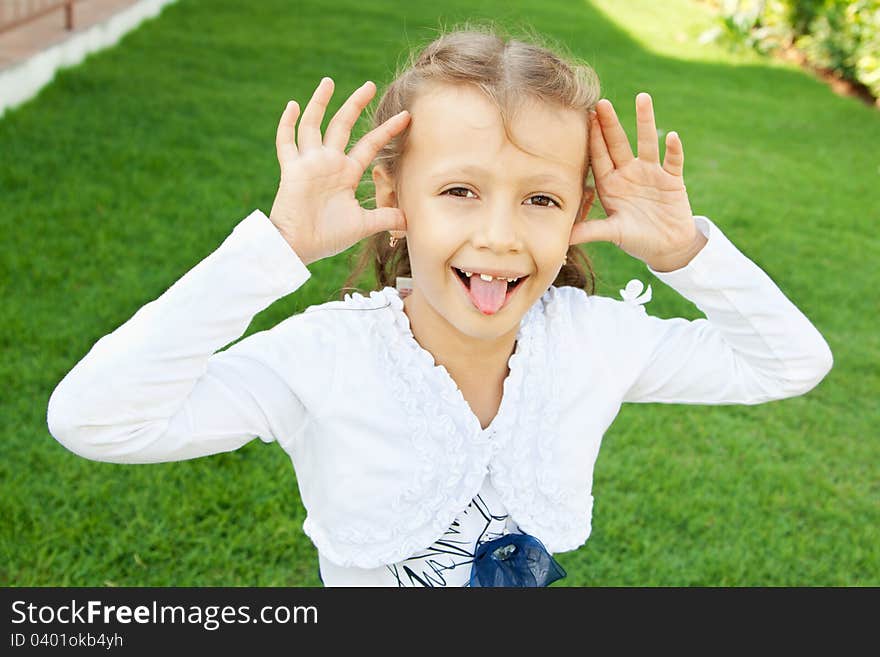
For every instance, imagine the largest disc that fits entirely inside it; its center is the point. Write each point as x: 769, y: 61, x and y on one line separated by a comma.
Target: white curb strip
x: 22, y: 82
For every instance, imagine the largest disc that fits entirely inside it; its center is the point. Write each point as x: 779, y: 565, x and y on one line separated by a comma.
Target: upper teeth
x: 487, y: 277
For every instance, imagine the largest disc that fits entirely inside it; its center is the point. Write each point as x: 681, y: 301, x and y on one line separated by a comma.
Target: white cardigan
x: 385, y: 448
x: 447, y: 562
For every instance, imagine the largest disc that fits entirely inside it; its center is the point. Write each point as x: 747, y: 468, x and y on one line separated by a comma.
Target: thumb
x: 382, y: 219
x: 595, y: 230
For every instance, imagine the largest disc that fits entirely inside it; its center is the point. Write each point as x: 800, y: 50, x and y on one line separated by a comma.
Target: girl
x: 446, y: 435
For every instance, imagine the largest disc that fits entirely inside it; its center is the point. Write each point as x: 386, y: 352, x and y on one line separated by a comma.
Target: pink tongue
x: 488, y: 295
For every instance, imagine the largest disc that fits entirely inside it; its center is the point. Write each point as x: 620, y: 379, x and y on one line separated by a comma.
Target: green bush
x: 840, y: 35
x: 845, y: 37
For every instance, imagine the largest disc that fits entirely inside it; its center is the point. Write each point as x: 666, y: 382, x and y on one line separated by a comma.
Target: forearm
x: 131, y: 383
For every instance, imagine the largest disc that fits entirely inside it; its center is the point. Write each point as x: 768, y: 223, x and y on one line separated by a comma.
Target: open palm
x: 315, y: 208
x: 648, y: 212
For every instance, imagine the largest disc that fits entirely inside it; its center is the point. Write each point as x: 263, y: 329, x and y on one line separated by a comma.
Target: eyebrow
x: 477, y: 170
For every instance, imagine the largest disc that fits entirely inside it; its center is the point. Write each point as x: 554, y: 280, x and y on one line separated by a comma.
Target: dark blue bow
x: 514, y: 560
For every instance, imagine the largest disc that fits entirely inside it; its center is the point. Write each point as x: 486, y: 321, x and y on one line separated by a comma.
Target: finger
x: 309, y: 135
x: 372, y: 142
x: 673, y: 161
x: 649, y: 150
x: 285, y: 137
x: 595, y: 230
x: 613, y: 133
x: 600, y: 159
x: 339, y: 130
x: 382, y: 219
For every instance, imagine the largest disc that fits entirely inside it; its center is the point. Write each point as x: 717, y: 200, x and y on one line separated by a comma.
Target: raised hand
x: 315, y: 208
x: 648, y: 212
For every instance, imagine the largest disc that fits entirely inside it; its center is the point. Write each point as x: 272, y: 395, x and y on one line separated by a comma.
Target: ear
x: 386, y: 196
x: 385, y: 193
x: 586, y: 203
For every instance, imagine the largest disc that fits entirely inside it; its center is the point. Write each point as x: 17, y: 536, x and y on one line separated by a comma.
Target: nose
x: 498, y: 229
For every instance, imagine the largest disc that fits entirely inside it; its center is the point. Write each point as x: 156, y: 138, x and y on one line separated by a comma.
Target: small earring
x: 565, y: 260
x: 392, y: 241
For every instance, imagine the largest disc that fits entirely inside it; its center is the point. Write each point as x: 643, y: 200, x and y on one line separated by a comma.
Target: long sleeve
x: 155, y: 390
x: 753, y: 345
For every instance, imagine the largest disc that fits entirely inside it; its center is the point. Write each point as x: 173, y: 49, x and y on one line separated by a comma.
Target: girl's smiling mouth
x: 487, y: 296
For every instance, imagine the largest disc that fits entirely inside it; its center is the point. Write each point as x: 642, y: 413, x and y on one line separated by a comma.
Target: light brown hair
x: 509, y: 70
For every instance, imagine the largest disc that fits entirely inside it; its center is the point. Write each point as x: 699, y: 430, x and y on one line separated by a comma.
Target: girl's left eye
x: 544, y: 197
x: 545, y: 204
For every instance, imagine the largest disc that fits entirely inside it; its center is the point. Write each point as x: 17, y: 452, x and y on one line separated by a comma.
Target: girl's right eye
x: 462, y: 189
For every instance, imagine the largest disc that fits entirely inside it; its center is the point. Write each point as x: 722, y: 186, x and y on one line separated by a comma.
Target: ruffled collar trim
x: 515, y: 363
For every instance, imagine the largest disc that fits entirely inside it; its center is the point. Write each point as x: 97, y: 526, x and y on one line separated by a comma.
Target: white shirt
x: 386, y: 450
x: 447, y: 561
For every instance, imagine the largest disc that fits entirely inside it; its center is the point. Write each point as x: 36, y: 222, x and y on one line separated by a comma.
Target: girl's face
x: 474, y: 201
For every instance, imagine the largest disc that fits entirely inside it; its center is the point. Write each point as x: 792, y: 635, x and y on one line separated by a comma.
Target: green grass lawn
x: 132, y: 167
